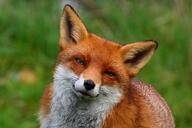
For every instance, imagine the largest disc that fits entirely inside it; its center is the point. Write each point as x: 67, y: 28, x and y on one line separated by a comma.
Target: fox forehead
x: 97, y: 49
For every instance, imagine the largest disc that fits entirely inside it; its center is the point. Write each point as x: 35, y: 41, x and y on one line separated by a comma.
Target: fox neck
x: 69, y: 110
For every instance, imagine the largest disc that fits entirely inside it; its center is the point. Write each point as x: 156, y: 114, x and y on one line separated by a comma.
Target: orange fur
x: 131, y: 112
x: 106, y: 56
x: 46, y: 101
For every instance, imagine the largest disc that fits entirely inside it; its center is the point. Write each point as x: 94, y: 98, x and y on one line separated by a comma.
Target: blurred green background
x: 29, y: 34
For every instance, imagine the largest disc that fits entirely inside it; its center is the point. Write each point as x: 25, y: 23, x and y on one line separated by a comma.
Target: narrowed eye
x: 79, y: 61
x: 110, y: 73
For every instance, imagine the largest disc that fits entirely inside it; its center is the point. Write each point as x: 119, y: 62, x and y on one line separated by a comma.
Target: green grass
x: 29, y: 34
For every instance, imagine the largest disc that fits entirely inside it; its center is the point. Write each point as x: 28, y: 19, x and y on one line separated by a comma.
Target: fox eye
x: 110, y: 73
x: 79, y: 60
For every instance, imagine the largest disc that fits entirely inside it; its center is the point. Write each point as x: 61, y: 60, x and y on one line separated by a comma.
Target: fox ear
x: 72, y: 30
x: 136, y: 55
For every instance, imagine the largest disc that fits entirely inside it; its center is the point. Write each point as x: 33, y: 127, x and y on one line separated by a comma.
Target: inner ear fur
x: 72, y: 29
x: 136, y: 55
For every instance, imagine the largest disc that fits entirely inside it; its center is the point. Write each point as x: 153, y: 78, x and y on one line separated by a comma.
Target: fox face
x: 96, y: 63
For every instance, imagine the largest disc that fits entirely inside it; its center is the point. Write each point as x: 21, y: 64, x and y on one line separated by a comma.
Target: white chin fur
x: 68, y: 111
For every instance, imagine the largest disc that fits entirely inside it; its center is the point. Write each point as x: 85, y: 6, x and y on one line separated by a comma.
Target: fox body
x: 93, y: 84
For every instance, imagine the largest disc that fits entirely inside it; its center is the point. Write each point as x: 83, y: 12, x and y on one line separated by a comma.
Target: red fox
x: 93, y: 84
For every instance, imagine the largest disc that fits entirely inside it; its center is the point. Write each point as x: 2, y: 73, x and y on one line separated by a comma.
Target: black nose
x: 89, y: 84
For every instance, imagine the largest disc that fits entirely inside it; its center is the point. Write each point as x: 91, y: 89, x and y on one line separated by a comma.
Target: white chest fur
x: 70, y: 111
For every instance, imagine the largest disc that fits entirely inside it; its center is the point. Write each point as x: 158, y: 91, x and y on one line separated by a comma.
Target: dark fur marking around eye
x: 138, y: 56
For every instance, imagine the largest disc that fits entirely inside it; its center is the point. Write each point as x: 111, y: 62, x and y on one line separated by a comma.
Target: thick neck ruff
x: 70, y: 111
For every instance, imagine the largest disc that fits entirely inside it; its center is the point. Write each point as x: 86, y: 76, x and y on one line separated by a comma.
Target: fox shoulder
x: 46, y: 100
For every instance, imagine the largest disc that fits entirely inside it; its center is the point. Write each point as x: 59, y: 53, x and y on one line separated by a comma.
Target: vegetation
x: 29, y: 34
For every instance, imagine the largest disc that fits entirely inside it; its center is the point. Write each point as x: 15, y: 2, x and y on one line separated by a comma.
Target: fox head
x: 90, y: 64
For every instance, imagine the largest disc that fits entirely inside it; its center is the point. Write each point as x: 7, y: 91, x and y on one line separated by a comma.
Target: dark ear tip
x: 157, y: 44
x: 154, y: 41
x: 68, y: 6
